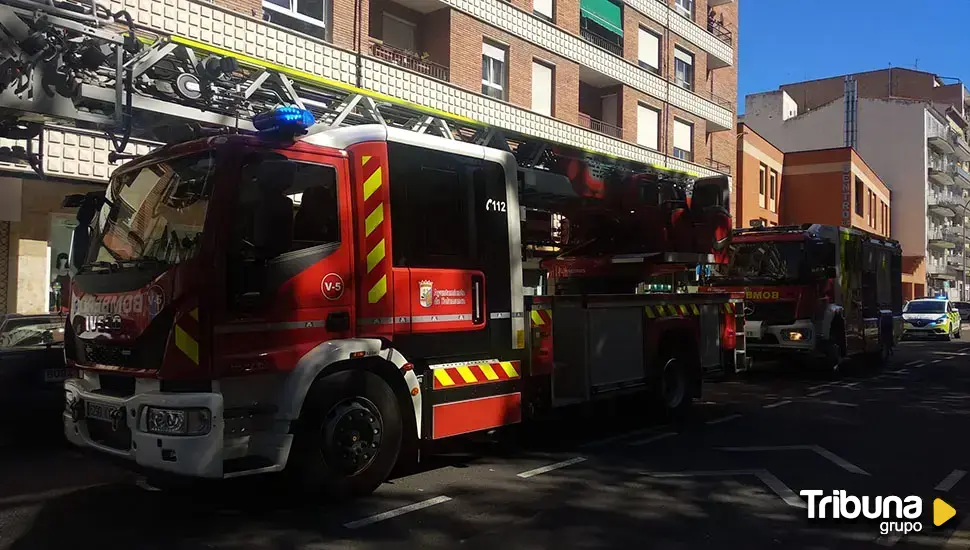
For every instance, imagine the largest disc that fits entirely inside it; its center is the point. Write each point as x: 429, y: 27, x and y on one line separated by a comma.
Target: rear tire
x: 672, y: 391
x: 349, y: 435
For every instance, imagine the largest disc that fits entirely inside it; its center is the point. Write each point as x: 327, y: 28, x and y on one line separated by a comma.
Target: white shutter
x: 683, y: 135
x: 683, y: 56
x: 542, y: 7
x: 541, y: 89
x: 647, y: 125
x: 497, y: 54
x: 649, y: 48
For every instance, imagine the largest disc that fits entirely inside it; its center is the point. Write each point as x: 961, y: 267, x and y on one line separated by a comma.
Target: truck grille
x: 104, y: 354
x: 773, y: 313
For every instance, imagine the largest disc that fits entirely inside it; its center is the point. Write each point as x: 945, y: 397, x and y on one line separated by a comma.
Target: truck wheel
x: 672, y: 392
x: 349, y: 436
x: 834, y: 357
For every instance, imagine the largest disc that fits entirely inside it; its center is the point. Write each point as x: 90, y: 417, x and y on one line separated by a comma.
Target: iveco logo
x: 102, y: 323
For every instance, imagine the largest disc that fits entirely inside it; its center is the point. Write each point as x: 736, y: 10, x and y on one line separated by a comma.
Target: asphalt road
x: 728, y: 477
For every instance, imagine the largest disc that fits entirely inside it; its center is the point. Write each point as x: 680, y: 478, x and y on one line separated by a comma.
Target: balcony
x: 954, y: 234
x: 708, y: 95
x: 610, y: 42
x: 599, y: 126
x: 939, y: 241
x: 720, y: 32
x: 940, y: 176
x: 936, y: 268
x: 961, y: 150
x: 714, y: 3
x: 721, y: 167
x: 961, y: 177
x: 944, y: 198
x: 410, y: 61
x: 941, y: 144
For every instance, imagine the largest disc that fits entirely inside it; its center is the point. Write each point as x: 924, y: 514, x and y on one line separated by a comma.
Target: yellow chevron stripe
x: 373, y: 220
x: 372, y: 183
x: 488, y: 371
x: 377, y: 291
x: 441, y: 375
x: 194, y: 314
x: 187, y: 344
x: 694, y: 310
x: 375, y: 256
x: 683, y: 310
x: 509, y: 369
x: 727, y: 308
x: 466, y: 374
x: 364, y: 159
x: 649, y: 311
x: 536, y: 318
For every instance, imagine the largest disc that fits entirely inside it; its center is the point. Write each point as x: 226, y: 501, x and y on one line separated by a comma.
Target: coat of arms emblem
x: 425, y: 293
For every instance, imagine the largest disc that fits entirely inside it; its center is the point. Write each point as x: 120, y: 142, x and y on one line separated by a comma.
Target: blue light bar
x: 284, y: 120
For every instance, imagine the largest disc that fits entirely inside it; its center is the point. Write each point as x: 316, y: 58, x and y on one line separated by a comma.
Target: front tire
x: 672, y: 394
x: 349, y: 435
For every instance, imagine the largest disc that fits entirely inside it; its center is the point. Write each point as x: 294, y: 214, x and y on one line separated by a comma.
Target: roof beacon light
x: 284, y: 120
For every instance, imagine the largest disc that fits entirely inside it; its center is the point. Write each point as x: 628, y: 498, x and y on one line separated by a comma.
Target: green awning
x: 605, y: 13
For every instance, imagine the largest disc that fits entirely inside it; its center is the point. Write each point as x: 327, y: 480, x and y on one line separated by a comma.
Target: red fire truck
x: 326, y: 300
x: 814, y: 294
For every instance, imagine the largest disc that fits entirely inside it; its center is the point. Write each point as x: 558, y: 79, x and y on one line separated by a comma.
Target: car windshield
x: 27, y: 332
x: 767, y: 260
x: 155, y: 212
x: 925, y: 306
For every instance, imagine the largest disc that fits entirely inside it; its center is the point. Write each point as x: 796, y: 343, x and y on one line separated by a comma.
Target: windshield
x: 925, y: 306
x: 764, y: 261
x: 155, y: 212
x: 19, y: 333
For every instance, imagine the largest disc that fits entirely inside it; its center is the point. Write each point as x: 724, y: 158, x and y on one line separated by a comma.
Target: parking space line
x: 727, y: 418
x: 836, y: 403
x: 777, y: 486
x: 648, y: 440
x: 618, y: 437
x: 551, y: 467
x: 950, y: 480
x: 777, y: 404
x: 911, y: 363
x: 818, y: 393
x: 819, y: 450
x: 935, y: 361
x: 820, y: 386
x: 396, y: 512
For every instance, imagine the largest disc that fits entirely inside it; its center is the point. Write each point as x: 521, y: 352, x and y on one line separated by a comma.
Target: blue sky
x: 784, y: 41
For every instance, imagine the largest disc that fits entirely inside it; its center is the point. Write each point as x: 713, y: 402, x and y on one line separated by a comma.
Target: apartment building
x: 911, y: 128
x: 650, y: 84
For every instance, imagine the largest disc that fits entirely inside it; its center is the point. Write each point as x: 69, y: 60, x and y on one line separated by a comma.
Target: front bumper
x: 200, y: 456
x: 926, y: 331
x: 770, y: 340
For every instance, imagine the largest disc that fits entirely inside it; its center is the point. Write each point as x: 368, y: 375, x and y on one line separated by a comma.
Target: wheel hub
x: 352, y: 435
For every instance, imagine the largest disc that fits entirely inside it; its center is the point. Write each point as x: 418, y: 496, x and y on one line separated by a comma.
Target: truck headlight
x: 798, y: 335
x: 165, y: 421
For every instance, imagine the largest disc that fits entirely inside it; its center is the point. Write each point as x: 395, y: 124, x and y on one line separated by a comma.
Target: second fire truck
x: 325, y: 303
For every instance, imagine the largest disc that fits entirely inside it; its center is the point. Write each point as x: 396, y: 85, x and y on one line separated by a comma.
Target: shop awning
x: 604, y: 13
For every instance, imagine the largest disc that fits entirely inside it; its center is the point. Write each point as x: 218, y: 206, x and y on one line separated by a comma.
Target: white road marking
x: 777, y: 404
x: 396, y: 512
x: 648, y: 440
x: 820, y: 386
x: 935, y: 361
x: 850, y: 385
x: 821, y: 451
x: 897, y: 371
x: 950, y: 480
x: 890, y: 388
x: 551, y: 467
x: 818, y: 393
x: 615, y: 438
x: 776, y: 485
x: 727, y: 418
x: 836, y: 403
x: 911, y: 363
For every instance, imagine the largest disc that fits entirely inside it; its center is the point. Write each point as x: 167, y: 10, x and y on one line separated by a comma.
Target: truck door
x: 288, y: 261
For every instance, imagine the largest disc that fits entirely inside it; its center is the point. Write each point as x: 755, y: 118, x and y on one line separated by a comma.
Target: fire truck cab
x: 218, y: 334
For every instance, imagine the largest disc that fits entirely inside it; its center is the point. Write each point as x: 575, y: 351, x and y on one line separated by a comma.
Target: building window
x: 685, y: 8
x: 860, y: 198
x: 493, y: 71
x: 773, y: 192
x: 306, y: 16
x: 542, y: 88
x: 648, y: 48
x: 398, y: 33
x: 872, y: 209
x: 762, y: 185
x: 684, y: 69
x: 648, y: 127
x: 683, y: 140
x: 544, y: 9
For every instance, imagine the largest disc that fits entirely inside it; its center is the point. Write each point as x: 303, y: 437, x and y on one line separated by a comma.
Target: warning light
x: 284, y: 120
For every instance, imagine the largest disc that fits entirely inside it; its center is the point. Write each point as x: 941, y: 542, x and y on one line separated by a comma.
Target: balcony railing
x: 602, y: 42
x: 936, y: 268
x: 961, y: 149
x: 411, y: 61
x: 943, y: 199
x: 599, y: 126
x: 722, y: 167
x: 961, y: 176
x: 953, y: 233
x: 720, y: 32
x: 708, y: 95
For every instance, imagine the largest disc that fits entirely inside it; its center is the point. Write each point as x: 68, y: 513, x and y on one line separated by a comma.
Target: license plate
x: 100, y: 411
x: 57, y: 375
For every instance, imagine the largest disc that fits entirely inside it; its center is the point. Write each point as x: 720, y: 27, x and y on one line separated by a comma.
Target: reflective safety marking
x: 536, y: 319
x: 694, y: 309
x: 186, y: 344
x: 375, y: 256
x: 377, y: 291
x: 364, y: 159
x: 374, y: 219
x: 478, y: 373
x: 194, y: 314
x: 671, y: 310
x: 372, y: 183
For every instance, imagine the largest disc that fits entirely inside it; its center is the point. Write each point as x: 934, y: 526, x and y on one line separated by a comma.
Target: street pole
x: 963, y: 245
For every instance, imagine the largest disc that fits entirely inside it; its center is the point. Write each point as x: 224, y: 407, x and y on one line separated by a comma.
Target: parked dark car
x: 964, y: 309
x: 32, y: 369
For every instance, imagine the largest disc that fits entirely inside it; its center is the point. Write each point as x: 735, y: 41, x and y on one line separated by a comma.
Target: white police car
x: 931, y: 317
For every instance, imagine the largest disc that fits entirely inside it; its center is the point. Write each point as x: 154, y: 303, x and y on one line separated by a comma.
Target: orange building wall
x: 753, y: 152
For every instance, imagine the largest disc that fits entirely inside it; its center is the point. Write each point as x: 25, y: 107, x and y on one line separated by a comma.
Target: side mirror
x: 80, y: 244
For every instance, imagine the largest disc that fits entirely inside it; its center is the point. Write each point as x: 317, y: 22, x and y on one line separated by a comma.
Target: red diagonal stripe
x: 497, y: 367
